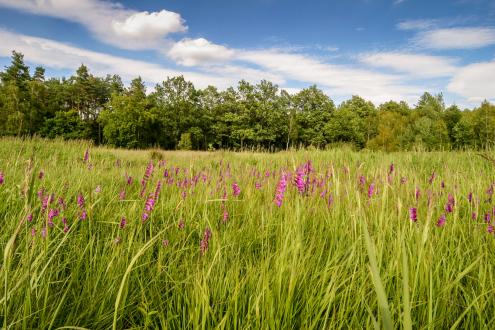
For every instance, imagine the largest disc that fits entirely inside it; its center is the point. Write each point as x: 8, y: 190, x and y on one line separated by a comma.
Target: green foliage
x: 250, y: 116
x: 185, y: 142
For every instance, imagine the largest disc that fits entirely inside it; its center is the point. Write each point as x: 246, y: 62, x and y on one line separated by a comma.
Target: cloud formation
x: 191, y: 52
x: 109, y: 22
x: 416, y: 65
x: 457, y: 38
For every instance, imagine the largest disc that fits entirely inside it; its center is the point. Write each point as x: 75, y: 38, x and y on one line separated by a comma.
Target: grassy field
x: 320, y: 239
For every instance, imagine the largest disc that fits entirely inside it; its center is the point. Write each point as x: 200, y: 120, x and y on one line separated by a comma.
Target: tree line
x: 176, y: 115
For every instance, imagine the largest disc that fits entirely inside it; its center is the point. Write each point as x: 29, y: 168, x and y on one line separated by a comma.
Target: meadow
x: 99, y: 238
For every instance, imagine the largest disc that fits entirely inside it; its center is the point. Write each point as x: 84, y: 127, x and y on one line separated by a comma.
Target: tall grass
x: 352, y: 262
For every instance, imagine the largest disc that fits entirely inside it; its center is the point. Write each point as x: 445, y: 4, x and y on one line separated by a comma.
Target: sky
x: 379, y: 49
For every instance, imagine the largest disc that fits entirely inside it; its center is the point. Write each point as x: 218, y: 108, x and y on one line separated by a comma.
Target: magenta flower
x: 432, y: 178
x: 165, y: 242
x: 371, y: 190
x: 86, y: 156
x: 474, y: 216
x: 181, y: 224
x: 417, y: 193
x: 391, y: 168
x: 449, y: 208
x: 2, y: 179
x: 98, y: 189
x: 205, y: 241
x: 122, y: 195
x: 490, y: 229
x: 441, y: 221
x: 225, y: 216
x: 362, y: 180
x: 80, y: 200
x: 148, y: 207
x: 330, y: 200
x: 281, y: 187
x: 123, y: 222
x: 236, y: 190
x: 52, y: 214
x: 257, y: 185
x: 83, y: 215
x: 29, y: 217
x: 61, y: 203
x: 41, y: 175
x: 33, y: 232
x: 470, y: 197
x: 413, y: 214
x: 488, y: 217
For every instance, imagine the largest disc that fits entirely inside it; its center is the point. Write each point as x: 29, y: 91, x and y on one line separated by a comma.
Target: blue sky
x: 379, y: 49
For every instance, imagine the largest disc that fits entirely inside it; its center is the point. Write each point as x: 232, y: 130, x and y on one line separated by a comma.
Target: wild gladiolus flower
x: 417, y: 194
x: 83, y: 215
x: 1, y: 177
x: 122, y: 195
x: 432, y: 178
x: 146, y: 177
x: 413, y: 214
x: 257, y: 185
x: 449, y: 208
x: 148, y: 207
x: 488, y: 217
x: 371, y: 190
x: 236, y: 190
x: 29, y: 217
x: 205, y: 241
x: 470, y: 197
x: 441, y: 221
x: 86, y: 156
x: 123, y: 222
x: 490, y: 229
x: 52, y: 214
x: 299, y: 181
x: 41, y: 175
x: 474, y: 216
x: 362, y: 180
x: 61, y: 203
x: 80, y: 200
x: 281, y: 187
x: 391, y: 168
x: 182, y: 224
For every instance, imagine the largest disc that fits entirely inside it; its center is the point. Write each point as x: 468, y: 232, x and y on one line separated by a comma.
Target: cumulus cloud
x: 416, y: 65
x: 192, y: 52
x: 59, y: 55
x: 417, y: 24
x: 475, y: 82
x: 456, y: 38
x: 109, y: 22
x: 338, y: 80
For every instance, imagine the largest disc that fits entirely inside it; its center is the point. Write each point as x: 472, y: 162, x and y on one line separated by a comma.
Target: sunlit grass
x: 345, y: 261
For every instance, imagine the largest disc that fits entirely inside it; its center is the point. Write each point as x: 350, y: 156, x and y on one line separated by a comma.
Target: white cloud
x: 191, y: 52
x: 416, y: 65
x: 149, y: 25
x: 337, y: 80
x: 457, y: 38
x: 417, y: 24
x: 58, y: 55
x: 109, y: 22
x: 475, y: 82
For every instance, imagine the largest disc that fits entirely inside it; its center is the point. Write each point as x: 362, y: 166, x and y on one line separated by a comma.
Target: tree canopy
x: 177, y: 115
